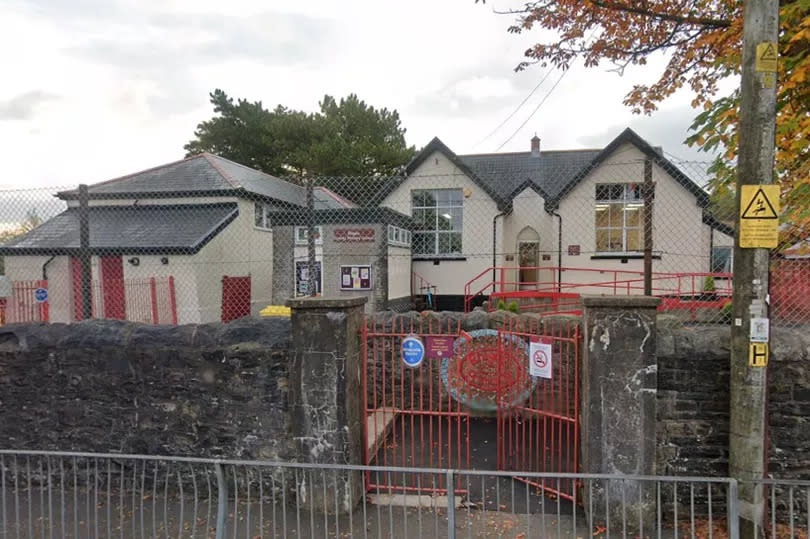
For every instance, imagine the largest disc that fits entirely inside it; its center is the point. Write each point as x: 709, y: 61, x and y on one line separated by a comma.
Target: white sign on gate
x: 540, y: 359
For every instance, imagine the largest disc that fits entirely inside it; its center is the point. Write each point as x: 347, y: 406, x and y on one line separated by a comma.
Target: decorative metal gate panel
x: 538, y: 430
x: 411, y: 420
x: 421, y: 416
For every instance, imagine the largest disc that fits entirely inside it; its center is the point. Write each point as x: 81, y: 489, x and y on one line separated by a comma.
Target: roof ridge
x: 150, y: 169
x: 134, y: 207
x: 255, y: 170
x: 227, y: 177
x: 497, y: 154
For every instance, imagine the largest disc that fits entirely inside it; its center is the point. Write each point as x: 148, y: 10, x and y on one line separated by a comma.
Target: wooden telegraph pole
x: 757, y: 232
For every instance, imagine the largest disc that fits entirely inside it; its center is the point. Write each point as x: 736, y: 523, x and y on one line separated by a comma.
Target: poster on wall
x: 355, y: 277
x: 302, y: 278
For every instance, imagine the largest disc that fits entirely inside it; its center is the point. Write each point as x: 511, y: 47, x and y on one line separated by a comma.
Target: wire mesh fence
x: 72, y: 495
x: 206, y: 239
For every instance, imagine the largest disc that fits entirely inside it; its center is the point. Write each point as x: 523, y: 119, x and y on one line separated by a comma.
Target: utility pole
x: 747, y: 435
x: 85, y: 256
x: 648, y: 193
x: 314, y: 280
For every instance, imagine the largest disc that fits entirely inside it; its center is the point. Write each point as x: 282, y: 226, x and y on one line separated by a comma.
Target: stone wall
x: 212, y: 390
x: 693, y: 400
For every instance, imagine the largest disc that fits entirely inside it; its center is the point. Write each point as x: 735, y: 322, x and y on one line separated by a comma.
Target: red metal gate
x: 112, y: 287
x: 538, y: 430
x: 410, y: 417
x: 235, y: 297
x: 422, y: 416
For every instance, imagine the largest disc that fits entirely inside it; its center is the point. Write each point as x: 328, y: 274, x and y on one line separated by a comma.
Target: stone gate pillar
x: 326, y: 398
x: 619, y: 386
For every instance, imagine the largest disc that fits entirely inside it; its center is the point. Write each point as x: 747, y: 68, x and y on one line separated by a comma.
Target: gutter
x: 559, y: 249
x: 45, y: 267
x: 495, y: 245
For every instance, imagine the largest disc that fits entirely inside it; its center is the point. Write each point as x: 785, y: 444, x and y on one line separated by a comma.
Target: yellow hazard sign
x: 759, y: 216
x: 758, y: 354
x: 767, y: 57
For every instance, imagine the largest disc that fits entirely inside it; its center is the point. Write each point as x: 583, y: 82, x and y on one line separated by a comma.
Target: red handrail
x: 687, y: 288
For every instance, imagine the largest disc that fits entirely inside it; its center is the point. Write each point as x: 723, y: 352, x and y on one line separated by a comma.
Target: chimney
x: 535, y: 146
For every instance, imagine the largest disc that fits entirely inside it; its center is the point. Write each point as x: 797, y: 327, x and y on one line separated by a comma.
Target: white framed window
x: 619, y: 218
x: 302, y: 235
x: 438, y: 216
x: 261, y: 215
x: 399, y: 236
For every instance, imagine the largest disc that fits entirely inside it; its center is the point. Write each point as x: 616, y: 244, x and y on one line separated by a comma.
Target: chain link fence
x: 206, y: 239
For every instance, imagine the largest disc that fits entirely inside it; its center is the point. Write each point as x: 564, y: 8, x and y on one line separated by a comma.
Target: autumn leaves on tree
x: 702, y: 39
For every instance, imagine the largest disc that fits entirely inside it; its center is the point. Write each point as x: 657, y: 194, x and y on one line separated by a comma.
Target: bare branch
x: 698, y: 21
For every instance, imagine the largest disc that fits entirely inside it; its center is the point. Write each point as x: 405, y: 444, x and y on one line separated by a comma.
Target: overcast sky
x: 93, y: 89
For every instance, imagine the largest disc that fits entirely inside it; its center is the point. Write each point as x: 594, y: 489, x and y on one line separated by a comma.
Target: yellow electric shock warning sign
x: 758, y: 354
x: 767, y: 57
x: 759, y: 216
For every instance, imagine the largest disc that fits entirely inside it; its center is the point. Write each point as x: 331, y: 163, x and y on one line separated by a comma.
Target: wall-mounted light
x: 135, y: 261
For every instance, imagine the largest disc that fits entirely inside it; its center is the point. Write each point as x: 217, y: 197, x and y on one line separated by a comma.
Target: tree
x: 703, y: 39
x: 32, y: 220
x: 345, y: 138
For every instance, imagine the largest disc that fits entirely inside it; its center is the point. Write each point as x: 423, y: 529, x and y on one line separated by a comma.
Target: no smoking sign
x: 540, y: 359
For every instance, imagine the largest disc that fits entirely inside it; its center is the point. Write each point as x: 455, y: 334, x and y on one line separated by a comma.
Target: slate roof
x: 553, y: 174
x: 510, y: 173
x: 207, y: 175
x: 163, y: 229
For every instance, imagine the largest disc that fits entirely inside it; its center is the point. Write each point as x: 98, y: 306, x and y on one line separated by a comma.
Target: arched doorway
x: 528, y: 248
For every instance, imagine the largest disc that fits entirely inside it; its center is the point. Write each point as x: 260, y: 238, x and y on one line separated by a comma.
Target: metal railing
x: 786, y: 505
x: 71, y: 495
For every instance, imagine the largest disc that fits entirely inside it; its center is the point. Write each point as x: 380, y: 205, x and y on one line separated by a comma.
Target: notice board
x: 355, y: 277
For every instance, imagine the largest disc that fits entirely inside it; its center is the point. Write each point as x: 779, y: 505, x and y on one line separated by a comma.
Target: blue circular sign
x: 41, y: 295
x: 413, y: 351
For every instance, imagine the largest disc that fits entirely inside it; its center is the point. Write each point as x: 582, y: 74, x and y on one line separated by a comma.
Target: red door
x: 76, y: 271
x: 235, y: 297
x: 112, y: 287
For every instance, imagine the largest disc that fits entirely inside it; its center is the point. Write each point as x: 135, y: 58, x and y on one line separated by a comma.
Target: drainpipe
x: 559, y: 249
x: 45, y: 268
x: 494, y: 246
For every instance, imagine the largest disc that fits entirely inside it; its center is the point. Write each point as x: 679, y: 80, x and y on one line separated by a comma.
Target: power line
x: 516, y: 109
x: 548, y: 94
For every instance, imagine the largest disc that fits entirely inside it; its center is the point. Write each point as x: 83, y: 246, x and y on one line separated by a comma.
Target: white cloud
x: 132, y: 78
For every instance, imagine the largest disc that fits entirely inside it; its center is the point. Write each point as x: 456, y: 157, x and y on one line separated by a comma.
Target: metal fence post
x: 733, y: 510
x: 451, y: 505
x: 222, y: 501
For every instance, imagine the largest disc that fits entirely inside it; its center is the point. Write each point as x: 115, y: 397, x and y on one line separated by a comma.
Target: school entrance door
x: 472, y: 390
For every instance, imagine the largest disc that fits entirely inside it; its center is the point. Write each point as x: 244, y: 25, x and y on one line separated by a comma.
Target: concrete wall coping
x: 326, y: 303
x: 621, y: 302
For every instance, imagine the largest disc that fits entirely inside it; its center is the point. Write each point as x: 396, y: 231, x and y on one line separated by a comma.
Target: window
x: 302, y: 235
x: 438, y: 220
x: 261, y: 215
x: 399, y: 236
x: 721, y: 259
x: 619, y: 218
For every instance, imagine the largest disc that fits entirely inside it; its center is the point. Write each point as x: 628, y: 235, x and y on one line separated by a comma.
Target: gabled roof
x: 511, y: 173
x: 631, y: 137
x: 437, y: 145
x: 207, y: 175
x: 159, y: 229
x: 552, y: 174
